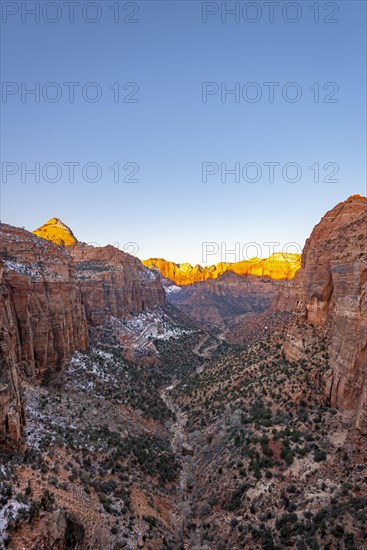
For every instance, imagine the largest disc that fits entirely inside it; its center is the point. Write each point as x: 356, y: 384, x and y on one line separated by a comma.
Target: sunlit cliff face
x: 278, y: 266
x: 56, y: 232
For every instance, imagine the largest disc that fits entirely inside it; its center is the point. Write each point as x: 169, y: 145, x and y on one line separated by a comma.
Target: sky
x: 137, y: 150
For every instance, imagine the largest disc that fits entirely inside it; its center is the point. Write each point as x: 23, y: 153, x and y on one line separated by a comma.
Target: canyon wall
x: 278, y: 266
x: 329, y: 294
x: 42, y: 320
x: 11, y: 412
x: 49, y: 295
x: 114, y: 283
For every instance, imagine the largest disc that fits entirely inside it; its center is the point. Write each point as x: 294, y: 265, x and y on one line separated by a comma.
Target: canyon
x: 164, y: 406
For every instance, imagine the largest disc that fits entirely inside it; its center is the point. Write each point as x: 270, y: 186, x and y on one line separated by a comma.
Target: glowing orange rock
x: 56, y: 232
x: 278, y: 266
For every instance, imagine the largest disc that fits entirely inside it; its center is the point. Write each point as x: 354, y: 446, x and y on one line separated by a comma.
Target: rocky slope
x: 278, y: 266
x: 114, y: 283
x: 99, y: 470
x: 57, y: 232
x: 267, y: 464
x: 42, y: 321
x: 220, y: 301
x: 328, y: 295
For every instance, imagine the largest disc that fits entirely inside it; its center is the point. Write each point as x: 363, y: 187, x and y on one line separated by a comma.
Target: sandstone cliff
x: 42, y: 321
x: 57, y: 232
x: 329, y: 294
x: 114, y: 283
x: 278, y: 266
x: 48, y: 296
x: 11, y: 412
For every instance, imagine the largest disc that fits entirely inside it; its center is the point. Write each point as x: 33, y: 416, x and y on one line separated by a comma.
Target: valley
x: 228, y: 414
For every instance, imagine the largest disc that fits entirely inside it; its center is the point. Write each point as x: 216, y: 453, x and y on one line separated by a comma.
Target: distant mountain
x: 57, y: 232
x: 221, y: 301
x: 278, y: 266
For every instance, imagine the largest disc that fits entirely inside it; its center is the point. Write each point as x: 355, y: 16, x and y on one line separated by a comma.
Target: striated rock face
x: 329, y: 294
x: 222, y: 300
x: 48, y: 294
x: 56, y: 232
x: 114, y: 283
x: 42, y: 321
x: 278, y: 266
x: 11, y: 411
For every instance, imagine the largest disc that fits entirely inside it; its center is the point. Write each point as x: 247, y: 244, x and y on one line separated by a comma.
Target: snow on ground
x: 8, y: 512
x: 173, y: 289
x: 7, y: 506
x: 149, y: 324
x: 30, y: 269
x: 102, y: 368
x: 37, y: 419
x: 33, y: 270
x: 147, y: 274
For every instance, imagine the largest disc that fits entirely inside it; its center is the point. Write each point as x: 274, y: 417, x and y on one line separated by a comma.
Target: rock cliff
x: 329, y: 294
x: 49, y: 295
x: 114, y: 283
x: 278, y: 266
x: 42, y: 321
x: 57, y: 232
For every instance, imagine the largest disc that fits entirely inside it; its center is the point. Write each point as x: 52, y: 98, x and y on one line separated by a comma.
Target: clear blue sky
x: 170, y: 132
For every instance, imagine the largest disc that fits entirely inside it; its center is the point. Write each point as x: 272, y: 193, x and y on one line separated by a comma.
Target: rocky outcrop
x: 329, y: 294
x: 59, y: 530
x: 114, y: 283
x: 57, y: 232
x: 278, y: 266
x: 42, y: 321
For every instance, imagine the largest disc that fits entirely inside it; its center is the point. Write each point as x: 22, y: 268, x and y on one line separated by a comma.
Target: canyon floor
x: 165, y: 436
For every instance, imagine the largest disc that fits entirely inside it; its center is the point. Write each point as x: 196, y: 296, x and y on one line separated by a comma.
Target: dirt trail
x: 205, y: 353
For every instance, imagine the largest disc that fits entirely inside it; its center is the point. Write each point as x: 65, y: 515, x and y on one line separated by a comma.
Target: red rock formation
x: 278, y: 266
x: 42, y: 321
x: 114, y: 283
x: 57, y: 232
x: 46, y: 300
x: 221, y: 301
x: 11, y: 412
x: 329, y: 293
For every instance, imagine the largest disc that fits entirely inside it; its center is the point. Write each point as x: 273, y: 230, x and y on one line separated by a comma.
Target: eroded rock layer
x: 114, y: 283
x: 223, y: 300
x: 278, y: 266
x: 57, y: 232
x: 329, y: 293
x: 42, y: 320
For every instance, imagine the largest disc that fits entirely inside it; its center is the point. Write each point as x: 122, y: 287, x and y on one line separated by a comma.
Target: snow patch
x: 173, y: 289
